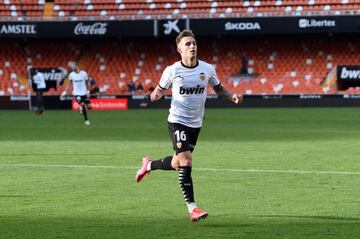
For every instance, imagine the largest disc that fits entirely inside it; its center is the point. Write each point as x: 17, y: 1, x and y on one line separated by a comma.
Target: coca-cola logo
x: 97, y: 28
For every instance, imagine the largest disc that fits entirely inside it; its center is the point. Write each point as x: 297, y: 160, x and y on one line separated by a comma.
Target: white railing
x: 172, y: 16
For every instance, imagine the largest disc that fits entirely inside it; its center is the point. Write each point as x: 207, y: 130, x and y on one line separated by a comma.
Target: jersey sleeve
x: 213, y: 79
x: 166, y: 79
x: 70, y: 79
x: 86, y: 77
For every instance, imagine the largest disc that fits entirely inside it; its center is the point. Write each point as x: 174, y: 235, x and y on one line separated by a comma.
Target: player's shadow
x: 225, y: 225
x: 51, y: 154
x: 336, y: 218
x: 12, y: 196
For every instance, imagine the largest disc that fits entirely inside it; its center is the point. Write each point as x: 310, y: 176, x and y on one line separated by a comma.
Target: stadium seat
x: 162, y: 8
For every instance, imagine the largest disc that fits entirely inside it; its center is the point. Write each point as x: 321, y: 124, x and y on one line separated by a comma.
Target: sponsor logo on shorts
x: 178, y: 144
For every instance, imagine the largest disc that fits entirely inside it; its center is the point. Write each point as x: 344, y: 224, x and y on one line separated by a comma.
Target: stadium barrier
x: 104, y: 104
x: 348, y: 76
x: 122, y: 102
x: 171, y: 27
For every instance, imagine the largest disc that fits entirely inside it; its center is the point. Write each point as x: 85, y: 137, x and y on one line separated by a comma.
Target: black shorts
x: 82, y: 99
x: 183, y: 137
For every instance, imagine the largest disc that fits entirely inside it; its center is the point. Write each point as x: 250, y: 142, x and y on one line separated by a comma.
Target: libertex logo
x: 314, y: 23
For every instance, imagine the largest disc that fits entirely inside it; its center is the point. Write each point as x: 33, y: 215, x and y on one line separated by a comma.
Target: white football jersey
x: 189, y: 90
x: 79, y: 82
x: 39, y: 80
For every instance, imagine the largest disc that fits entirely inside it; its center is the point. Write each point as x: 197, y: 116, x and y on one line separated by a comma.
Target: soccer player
x: 39, y: 81
x: 188, y: 80
x: 79, y: 80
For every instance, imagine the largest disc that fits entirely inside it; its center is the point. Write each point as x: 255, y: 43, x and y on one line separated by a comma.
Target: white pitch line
x: 196, y: 169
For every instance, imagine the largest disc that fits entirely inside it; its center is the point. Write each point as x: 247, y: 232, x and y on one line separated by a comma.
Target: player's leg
x: 168, y: 162
x: 87, y: 106
x: 84, y: 112
x: 82, y: 103
x: 39, y: 107
x: 88, y: 103
x: 149, y: 165
x: 185, y: 179
x: 41, y: 102
x: 186, y: 185
x: 164, y: 163
x: 184, y: 140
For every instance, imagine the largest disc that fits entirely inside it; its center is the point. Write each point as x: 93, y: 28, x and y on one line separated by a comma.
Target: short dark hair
x: 184, y: 33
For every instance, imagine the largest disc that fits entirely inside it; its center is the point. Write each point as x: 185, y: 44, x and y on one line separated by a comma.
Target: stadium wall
x: 171, y: 27
x: 250, y: 101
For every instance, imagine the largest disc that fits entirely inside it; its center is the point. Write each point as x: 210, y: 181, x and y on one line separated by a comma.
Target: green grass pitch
x: 261, y: 173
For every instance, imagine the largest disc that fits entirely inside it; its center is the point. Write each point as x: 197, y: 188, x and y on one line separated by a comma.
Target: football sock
x: 191, y: 207
x: 186, y: 185
x: 83, y: 107
x: 163, y: 164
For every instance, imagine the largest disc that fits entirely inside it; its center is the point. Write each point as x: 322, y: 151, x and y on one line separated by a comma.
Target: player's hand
x: 237, y: 99
x: 154, y: 96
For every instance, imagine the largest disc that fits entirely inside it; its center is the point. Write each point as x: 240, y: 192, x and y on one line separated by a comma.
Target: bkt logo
x: 171, y: 26
x: 242, y: 26
x: 192, y: 90
x: 311, y: 23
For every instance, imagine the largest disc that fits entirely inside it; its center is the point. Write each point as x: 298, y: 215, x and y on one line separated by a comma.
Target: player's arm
x: 224, y: 93
x: 157, y: 93
x: 66, y: 87
x: 87, y: 84
x: 164, y: 84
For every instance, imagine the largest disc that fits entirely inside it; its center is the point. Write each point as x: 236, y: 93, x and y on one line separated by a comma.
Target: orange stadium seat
x: 20, y: 8
x: 282, y: 66
x: 164, y: 7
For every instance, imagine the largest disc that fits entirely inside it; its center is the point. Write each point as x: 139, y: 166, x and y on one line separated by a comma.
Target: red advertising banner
x: 104, y: 104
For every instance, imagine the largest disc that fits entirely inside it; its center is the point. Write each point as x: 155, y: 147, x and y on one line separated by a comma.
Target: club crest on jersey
x: 178, y: 144
x: 202, y: 76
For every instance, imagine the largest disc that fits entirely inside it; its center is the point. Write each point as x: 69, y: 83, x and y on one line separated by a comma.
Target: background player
x: 79, y: 80
x: 188, y: 80
x: 39, y: 81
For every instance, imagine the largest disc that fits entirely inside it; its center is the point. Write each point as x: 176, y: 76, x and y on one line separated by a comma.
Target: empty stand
x: 22, y: 8
x: 222, y: 8
x: 278, y: 66
x: 174, y: 8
